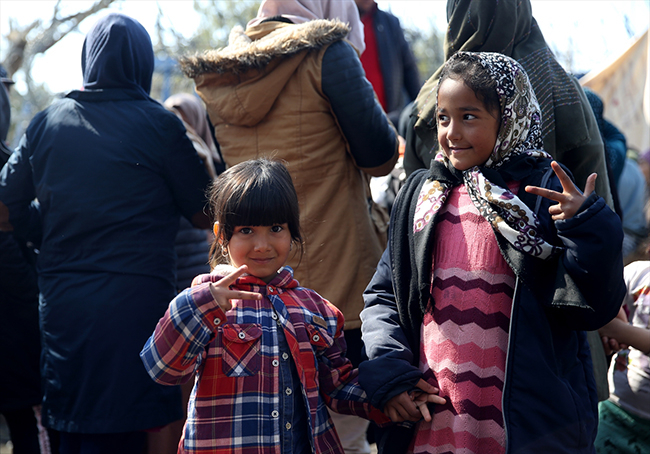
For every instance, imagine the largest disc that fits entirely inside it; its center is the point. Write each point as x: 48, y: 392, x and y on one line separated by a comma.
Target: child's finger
x: 590, y: 186
x: 394, y: 415
x: 426, y: 387
x: 223, y: 297
x: 242, y: 295
x: 228, y: 279
x: 436, y: 399
x: 566, y: 182
x: 424, y: 410
x: 217, y: 295
x: 546, y: 193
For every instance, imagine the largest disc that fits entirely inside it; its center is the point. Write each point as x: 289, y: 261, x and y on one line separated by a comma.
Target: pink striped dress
x: 465, y: 338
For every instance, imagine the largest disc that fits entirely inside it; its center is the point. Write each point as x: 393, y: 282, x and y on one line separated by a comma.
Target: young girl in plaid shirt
x: 268, y: 354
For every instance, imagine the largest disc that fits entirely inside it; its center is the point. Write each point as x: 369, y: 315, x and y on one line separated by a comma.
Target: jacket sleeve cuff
x: 398, y: 376
x: 208, y: 309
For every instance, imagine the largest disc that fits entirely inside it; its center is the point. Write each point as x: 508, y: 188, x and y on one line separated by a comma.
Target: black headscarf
x: 117, y: 53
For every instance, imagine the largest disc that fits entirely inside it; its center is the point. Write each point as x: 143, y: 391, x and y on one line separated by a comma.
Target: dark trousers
x: 23, y: 430
x: 112, y: 443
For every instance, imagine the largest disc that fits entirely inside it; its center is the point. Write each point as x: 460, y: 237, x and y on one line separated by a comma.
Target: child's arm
x: 340, y: 389
x: 625, y: 333
x: 610, y: 344
x: 570, y: 200
x: 170, y: 354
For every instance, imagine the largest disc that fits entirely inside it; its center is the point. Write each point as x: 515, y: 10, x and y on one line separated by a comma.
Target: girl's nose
x: 453, y: 131
x: 262, y: 243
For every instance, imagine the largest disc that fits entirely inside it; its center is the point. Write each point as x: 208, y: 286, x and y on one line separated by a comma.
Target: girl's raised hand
x: 568, y: 201
x: 222, y: 293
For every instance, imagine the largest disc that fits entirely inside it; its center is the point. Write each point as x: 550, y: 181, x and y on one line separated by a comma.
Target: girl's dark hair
x: 253, y: 193
x: 468, y: 68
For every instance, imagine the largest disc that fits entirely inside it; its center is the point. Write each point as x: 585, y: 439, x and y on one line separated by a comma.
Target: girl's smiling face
x: 467, y: 131
x: 265, y: 249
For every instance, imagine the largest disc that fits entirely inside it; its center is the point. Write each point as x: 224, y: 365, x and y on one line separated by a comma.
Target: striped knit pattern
x: 465, y: 337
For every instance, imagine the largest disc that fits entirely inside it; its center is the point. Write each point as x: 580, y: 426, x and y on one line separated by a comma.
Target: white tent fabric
x: 624, y: 86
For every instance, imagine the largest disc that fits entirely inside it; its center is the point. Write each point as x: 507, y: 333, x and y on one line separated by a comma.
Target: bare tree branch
x: 61, y: 26
x: 24, y: 46
x: 22, y: 49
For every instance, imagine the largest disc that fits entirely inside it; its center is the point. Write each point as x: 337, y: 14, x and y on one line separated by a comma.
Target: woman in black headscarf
x: 112, y: 170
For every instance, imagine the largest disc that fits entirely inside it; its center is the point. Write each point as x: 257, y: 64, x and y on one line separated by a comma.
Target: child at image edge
x: 268, y: 354
x: 495, y: 266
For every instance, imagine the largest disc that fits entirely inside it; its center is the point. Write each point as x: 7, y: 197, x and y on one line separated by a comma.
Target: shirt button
x: 288, y: 391
x: 271, y: 289
x: 241, y: 335
x: 275, y: 414
x: 274, y: 316
x: 288, y: 426
x: 285, y: 356
x: 275, y: 363
x: 217, y: 321
x: 316, y: 338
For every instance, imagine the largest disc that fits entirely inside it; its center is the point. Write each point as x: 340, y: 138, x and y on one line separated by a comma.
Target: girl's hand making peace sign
x: 570, y: 200
x: 222, y: 293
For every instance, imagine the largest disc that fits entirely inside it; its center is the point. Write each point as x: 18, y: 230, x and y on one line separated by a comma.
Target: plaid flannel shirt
x: 235, y: 404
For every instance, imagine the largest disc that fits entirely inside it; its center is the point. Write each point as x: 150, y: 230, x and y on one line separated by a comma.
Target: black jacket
x: 554, y: 300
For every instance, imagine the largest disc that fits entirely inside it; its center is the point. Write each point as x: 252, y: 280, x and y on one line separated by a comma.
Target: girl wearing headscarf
x: 495, y: 265
x: 568, y: 130
x: 291, y: 86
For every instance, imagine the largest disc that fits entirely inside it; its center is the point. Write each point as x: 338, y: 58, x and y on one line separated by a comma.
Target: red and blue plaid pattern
x: 234, y: 407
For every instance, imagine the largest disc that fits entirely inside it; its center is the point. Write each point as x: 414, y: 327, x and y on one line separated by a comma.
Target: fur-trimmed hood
x: 256, y: 46
x: 241, y: 82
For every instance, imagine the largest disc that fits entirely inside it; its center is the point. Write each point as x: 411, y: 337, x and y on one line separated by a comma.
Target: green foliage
x: 428, y: 48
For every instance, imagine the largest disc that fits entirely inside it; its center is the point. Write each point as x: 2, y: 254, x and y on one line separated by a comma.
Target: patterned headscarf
x: 519, y: 134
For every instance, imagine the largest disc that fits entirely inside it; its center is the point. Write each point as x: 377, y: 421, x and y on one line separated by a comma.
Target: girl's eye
x: 276, y: 228
x: 470, y: 117
x: 442, y: 118
x: 246, y: 230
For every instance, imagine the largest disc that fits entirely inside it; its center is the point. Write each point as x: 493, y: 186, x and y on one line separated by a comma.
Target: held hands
x: 413, y: 406
x: 570, y: 200
x: 222, y: 293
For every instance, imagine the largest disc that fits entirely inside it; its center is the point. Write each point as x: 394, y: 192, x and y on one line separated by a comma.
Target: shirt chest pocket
x: 319, y: 338
x: 240, y: 349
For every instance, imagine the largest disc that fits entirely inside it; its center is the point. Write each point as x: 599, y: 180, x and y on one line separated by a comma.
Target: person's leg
x: 166, y: 440
x: 620, y: 432
x: 124, y: 443
x: 352, y: 429
x: 23, y: 430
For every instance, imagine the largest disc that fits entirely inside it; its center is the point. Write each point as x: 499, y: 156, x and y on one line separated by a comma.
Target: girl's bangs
x: 258, y: 205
